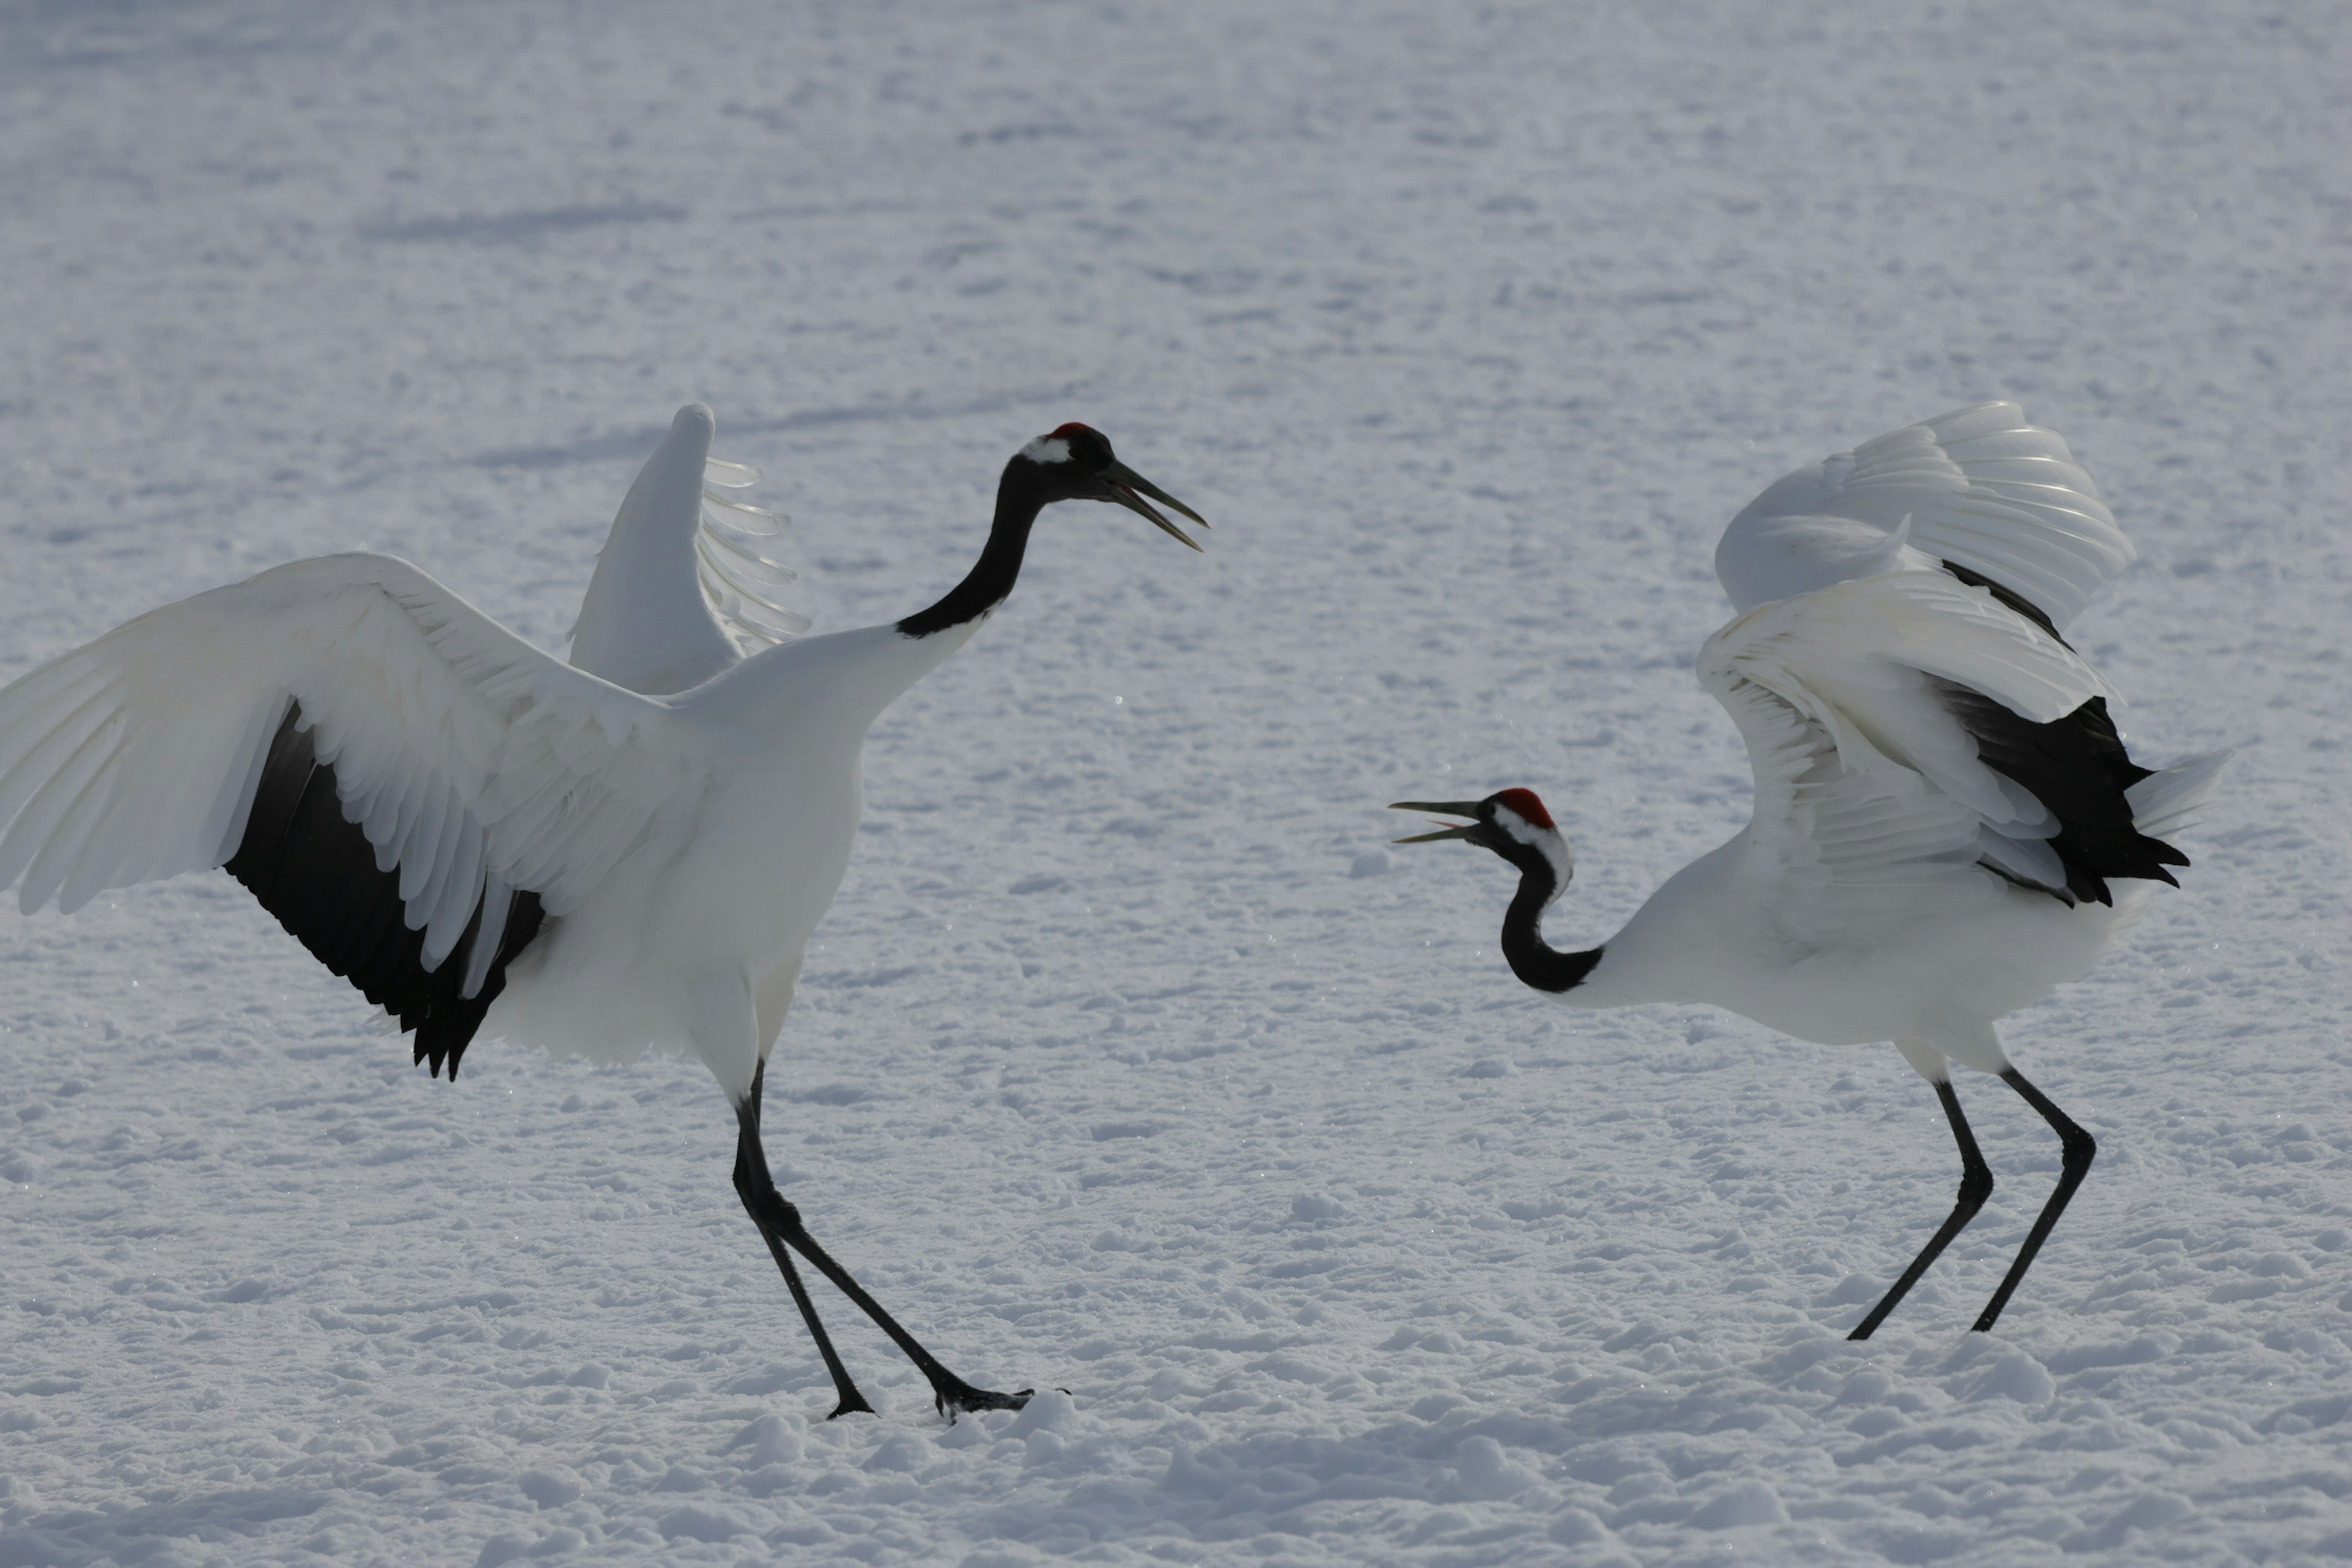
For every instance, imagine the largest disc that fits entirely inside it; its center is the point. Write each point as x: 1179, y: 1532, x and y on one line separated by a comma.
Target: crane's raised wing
x: 392, y: 772
x: 689, y: 582
x: 736, y: 561
x: 1983, y: 490
x: 1862, y: 705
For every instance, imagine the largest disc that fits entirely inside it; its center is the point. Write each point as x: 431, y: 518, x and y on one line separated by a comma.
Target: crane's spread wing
x: 690, y: 580
x: 1985, y: 492
x: 1872, y: 780
x: 392, y: 772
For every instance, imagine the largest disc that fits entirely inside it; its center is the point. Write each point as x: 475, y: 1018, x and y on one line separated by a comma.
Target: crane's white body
x: 1940, y: 975
x: 697, y: 945
x: 1857, y: 906
x: 681, y: 596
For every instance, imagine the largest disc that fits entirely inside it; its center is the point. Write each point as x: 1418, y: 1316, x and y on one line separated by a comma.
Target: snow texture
x: 1131, y: 1061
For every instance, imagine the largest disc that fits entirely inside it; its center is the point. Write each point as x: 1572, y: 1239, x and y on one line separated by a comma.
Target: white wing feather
x: 1982, y: 489
x: 465, y: 754
x: 1866, y: 787
x: 689, y: 582
x: 742, y: 574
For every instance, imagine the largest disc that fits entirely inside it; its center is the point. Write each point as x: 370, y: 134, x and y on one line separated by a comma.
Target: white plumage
x: 460, y: 822
x: 1982, y: 489
x: 1940, y: 797
x: 461, y: 751
x: 687, y: 583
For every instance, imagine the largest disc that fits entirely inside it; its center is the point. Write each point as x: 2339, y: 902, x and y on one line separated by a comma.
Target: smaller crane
x: 1943, y: 805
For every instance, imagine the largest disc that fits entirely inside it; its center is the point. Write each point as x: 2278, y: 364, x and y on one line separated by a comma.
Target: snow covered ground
x: 1133, y: 1063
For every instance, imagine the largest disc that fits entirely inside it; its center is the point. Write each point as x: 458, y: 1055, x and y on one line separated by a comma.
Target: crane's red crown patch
x: 1525, y: 803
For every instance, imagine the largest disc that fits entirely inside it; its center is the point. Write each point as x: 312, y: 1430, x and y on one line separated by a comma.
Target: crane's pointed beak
x: 1445, y: 808
x: 1128, y: 488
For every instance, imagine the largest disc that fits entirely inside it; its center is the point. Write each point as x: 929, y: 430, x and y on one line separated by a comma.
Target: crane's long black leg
x: 758, y: 1190
x: 2081, y: 1149
x: 948, y: 1392
x: 780, y: 1223
x: 1976, y: 1185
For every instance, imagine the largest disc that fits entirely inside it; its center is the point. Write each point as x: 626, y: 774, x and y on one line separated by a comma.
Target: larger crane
x: 479, y: 836
x: 1946, y: 825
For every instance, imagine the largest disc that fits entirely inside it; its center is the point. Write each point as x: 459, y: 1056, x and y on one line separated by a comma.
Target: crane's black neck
x: 1531, y: 959
x: 1021, y: 495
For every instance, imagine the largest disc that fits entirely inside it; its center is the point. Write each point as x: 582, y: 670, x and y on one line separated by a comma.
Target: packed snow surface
x: 1132, y: 1062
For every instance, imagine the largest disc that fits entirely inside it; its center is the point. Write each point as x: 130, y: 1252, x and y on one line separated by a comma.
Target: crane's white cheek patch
x: 1047, y: 450
x: 1553, y: 845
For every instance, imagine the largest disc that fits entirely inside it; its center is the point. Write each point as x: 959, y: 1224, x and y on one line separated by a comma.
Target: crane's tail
x: 2164, y: 803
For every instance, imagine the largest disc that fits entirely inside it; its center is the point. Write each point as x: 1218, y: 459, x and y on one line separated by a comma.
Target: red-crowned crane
x: 479, y: 836
x: 1947, y: 826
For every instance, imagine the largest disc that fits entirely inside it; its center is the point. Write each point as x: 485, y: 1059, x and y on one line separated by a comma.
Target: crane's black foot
x: 956, y: 1397
x: 852, y: 1404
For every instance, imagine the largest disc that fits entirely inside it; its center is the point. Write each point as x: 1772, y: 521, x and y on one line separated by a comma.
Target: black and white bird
x: 1947, y: 826
x: 481, y: 836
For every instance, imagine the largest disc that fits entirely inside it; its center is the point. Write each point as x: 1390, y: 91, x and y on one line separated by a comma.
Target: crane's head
x: 1512, y: 822
x: 1075, y: 463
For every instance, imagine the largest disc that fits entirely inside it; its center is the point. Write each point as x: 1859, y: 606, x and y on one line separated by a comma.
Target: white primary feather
x: 689, y: 582
x: 461, y: 751
x: 742, y: 573
x: 1980, y: 487
x: 2165, y: 803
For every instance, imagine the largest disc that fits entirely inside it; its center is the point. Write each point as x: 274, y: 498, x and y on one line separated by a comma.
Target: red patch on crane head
x: 1064, y: 432
x: 1525, y: 803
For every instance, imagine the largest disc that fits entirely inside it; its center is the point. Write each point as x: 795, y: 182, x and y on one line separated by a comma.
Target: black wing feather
x: 2011, y: 597
x: 2078, y: 768
x: 2075, y: 765
x: 316, y: 871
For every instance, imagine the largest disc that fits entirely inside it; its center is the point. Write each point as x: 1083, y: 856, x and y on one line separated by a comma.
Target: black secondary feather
x: 316, y: 871
x: 2077, y: 767
x: 2012, y: 597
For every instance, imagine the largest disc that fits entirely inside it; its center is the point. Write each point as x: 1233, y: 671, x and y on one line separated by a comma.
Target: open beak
x: 1128, y: 488
x: 1445, y: 808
